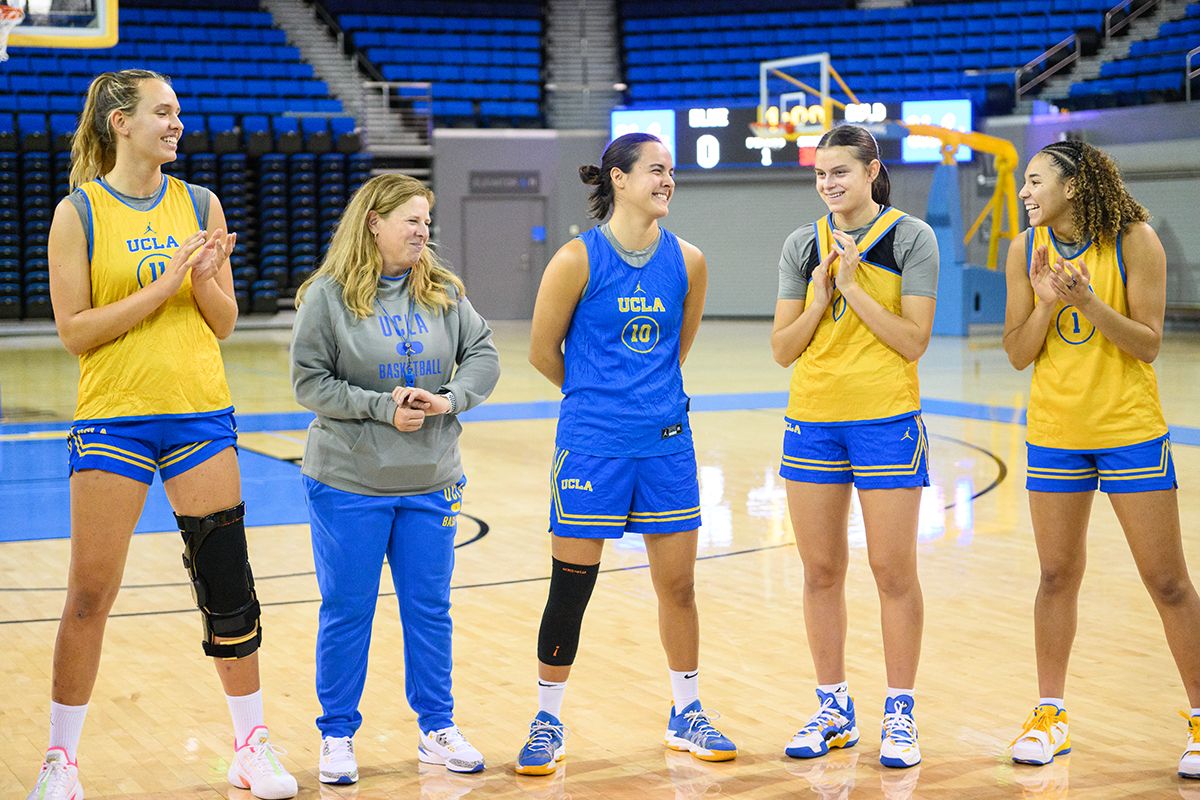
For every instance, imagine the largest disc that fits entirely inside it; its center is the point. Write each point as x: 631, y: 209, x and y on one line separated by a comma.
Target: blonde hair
x: 1102, y: 207
x: 94, y: 148
x: 353, y: 259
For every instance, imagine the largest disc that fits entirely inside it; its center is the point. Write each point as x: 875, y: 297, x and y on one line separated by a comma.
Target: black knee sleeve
x: 570, y: 589
x: 216, y: 560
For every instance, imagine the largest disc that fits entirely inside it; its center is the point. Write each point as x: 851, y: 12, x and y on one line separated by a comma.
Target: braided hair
x: 1102, y: 207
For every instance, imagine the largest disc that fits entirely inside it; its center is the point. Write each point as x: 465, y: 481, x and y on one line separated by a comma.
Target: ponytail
x: 93, y: 147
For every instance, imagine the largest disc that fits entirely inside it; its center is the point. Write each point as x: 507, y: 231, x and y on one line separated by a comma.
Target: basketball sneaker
x: 692, y: 730
x: 1045, y: 736
x: 544, y: 748
x: 256, y: 767
x: 830, y: 727
x: 1189, y: 763
x: 338, y: 765
x: 59, y: 778
x: 448, y: 746
x: 898, y: 747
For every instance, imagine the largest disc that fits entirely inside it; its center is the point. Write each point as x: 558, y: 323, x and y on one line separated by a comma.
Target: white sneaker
x: 256, y: 767
x: 448, y: 746
x: 898, y: 746
x: 1189, y: 763
x: 59, y: 778
x: 1046, y: 735
x: 338, y: 765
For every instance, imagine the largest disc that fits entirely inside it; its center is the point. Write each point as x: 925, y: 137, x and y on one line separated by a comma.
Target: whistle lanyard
x: 406, y: 346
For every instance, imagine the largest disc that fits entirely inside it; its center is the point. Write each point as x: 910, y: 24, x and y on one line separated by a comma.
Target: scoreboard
x: 716, y: 137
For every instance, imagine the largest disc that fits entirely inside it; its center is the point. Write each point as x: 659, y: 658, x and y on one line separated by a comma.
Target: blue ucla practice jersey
x: 623, y: 390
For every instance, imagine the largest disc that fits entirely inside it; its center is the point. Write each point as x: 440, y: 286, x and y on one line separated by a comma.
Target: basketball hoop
x: 764, y: 130
x: 10, y: 17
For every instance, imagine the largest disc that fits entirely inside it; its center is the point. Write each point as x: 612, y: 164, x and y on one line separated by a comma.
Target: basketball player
x: 857, y: 290
x: 624, y: 300
x: 142, y: 290
x: 1086, y: 300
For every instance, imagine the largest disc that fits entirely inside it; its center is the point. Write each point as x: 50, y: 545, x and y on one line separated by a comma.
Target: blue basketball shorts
x: 887, y: 454
x: 592, y: 497
x: 137, y: 448
x: 1145, y: 467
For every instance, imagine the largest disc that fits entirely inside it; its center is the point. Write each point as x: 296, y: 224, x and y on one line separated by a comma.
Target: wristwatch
x: 449, y: 395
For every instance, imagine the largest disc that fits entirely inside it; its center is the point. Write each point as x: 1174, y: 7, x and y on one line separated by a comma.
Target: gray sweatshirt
x: 344, y: 369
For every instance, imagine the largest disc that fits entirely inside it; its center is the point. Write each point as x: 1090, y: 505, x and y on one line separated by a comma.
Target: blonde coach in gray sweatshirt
x: 387, y: 350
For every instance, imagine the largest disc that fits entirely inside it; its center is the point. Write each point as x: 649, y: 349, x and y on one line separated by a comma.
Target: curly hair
x: 1102, y: 207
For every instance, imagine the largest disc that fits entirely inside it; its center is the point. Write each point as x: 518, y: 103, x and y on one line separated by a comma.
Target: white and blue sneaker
x: 544, y: 748
x: 691, y: 730
x: 831, y: 726
x: 898, y: 747
x: 448, y: 746
x: 338, y: 766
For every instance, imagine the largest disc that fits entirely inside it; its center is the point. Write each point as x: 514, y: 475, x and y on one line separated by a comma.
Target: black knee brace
x: 215, y: 557
x: 570, y: 589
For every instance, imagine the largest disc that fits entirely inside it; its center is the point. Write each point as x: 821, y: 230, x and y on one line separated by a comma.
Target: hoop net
x: 10, y: 17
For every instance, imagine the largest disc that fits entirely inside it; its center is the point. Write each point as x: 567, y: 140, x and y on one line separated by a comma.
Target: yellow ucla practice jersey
x: 846, y: 374
x: 1087, y: 393
x: 170, y: 362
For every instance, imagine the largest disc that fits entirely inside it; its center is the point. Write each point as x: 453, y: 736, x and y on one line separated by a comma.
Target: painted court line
x: 548, y: 409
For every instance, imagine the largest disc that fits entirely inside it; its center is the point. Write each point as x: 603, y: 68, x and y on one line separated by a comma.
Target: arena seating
x: 884, y: 54
x: 237, y: 80
x: 486, y: 69
x: 1153, y: 71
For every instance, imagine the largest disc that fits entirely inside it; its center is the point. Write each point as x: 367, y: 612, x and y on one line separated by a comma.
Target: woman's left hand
x: 421, y: 400
x: 1072, y: 285
x: 847, y: 248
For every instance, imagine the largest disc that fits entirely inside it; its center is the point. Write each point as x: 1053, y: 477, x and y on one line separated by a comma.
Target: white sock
x: 1052, y: 701
x: 550, y: 697
x: 685, y: 688
x: 247, y: 713
x: 892, y: 694
x: 840, y: 692
x: 66, y: 726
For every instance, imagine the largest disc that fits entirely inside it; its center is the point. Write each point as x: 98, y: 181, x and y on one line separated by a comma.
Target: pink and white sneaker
x: 256, y: 767
x: 59, y: 778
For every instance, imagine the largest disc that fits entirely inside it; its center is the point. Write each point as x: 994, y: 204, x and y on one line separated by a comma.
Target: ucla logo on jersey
x: 640, y: 305
x: 152, y: 267
x: 576, y: 483
x: 149, y: 241
x: 791, y: 427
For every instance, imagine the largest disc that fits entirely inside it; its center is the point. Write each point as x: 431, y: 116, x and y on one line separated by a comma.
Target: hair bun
x: 590, y: 174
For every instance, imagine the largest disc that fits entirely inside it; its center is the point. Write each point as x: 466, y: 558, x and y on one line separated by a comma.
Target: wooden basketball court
x: 158, y: 726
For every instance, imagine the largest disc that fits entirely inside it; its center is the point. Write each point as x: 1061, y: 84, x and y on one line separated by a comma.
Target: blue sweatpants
x: 351, y: 534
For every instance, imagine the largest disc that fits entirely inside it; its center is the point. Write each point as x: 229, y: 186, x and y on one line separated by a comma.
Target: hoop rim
x: 766, y: 130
